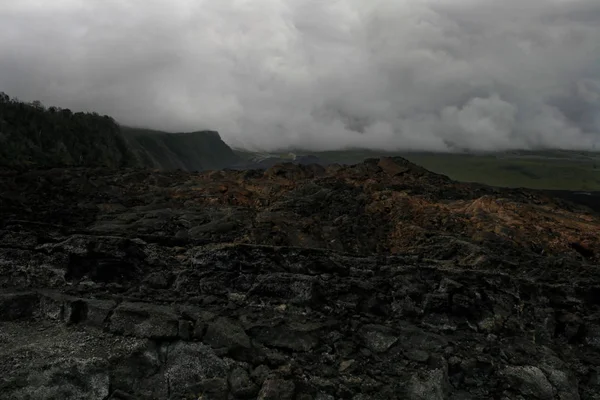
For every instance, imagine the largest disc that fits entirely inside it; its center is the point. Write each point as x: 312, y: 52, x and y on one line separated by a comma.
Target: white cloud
x: 322, y: 74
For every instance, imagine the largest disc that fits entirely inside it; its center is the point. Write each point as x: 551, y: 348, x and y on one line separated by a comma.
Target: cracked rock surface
x: 376, y: 281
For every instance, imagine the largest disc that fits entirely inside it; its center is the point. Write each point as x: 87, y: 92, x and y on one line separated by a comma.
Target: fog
x: 269, y: 74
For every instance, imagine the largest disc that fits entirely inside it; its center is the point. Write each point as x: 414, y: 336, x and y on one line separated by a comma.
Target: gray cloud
x: 431, y: 74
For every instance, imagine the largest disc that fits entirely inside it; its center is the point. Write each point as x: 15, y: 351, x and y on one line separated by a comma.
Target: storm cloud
x: 267, y: 74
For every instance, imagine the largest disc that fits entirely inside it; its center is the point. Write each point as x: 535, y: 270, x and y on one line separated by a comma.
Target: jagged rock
x: 566, y: 385
x: 68, y: 379
x: 277, y: 389
x: 345, y: 365
x: 223, y: 333
x: 296, y: 289
x: 52, y: 307
x: 379, y: 280
x: 144, y: 320
x: 98, y: 311
x: 378, y: 338
x: 192, y: 367
x: 260, y: 374
x: 529, y: 381
x: 211, y: 389
x: 417, y: 355
x: 428, y: 385
x: 241, y: 385
x: 138, y: 373
x: 295, y: 336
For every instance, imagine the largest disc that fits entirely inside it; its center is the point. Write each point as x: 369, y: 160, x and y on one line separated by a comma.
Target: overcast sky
x: 392, y: 74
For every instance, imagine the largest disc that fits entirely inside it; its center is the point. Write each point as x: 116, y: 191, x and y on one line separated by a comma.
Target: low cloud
x: 267, y: 74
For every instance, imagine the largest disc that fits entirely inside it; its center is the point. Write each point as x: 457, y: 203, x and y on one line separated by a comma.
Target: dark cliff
x: 32, y: 135
x: 192, y: 151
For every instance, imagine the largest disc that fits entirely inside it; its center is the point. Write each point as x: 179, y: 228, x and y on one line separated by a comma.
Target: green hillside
x: 538, y: 170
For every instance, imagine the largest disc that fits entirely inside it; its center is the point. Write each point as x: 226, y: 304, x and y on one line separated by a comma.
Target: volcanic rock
x: 380, y: 281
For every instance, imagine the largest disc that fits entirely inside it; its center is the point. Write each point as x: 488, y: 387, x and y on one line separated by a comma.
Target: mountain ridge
x: 188, y: 151
x: 32, y: 135
x: 35, y: 136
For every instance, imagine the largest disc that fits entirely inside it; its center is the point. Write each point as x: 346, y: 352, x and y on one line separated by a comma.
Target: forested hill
x: 32, y: 135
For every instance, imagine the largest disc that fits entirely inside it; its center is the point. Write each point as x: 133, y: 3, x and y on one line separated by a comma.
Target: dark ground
x: 377, y: 281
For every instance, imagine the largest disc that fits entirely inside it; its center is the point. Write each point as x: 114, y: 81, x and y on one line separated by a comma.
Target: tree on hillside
x: 32, y: 134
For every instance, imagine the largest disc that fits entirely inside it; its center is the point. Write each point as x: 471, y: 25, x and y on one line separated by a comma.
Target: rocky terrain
x: 374, y: 281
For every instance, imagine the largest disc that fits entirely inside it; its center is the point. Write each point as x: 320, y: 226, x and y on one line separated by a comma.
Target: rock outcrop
x: 375, y: 281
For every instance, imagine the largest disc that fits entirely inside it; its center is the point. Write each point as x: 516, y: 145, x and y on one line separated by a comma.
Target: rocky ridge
x: 374, y: 281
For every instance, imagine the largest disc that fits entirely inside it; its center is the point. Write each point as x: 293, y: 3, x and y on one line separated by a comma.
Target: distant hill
x: 32, y: 135
x: 193, y: 151
x: 249, y: 160
x: 541, y: 169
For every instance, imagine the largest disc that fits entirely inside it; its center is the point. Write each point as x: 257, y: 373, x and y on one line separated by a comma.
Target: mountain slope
x: 32, y: 135
x: 193, y: 151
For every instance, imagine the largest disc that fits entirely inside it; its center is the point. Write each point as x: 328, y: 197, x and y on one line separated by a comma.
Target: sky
x: 439, y: 75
